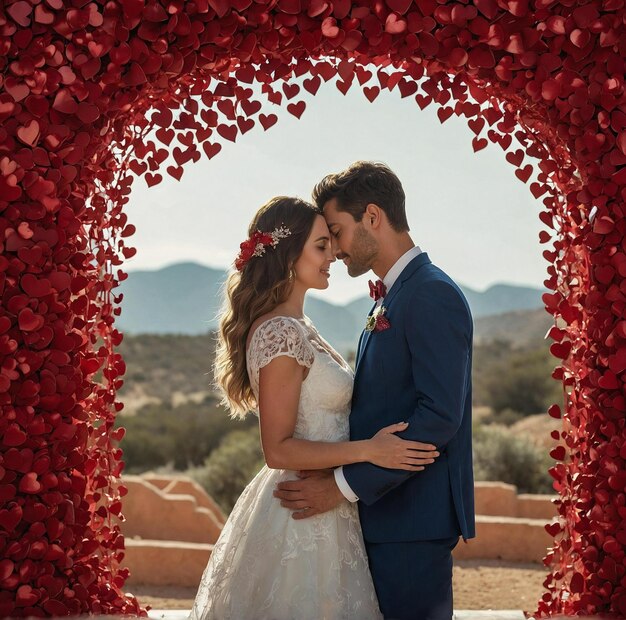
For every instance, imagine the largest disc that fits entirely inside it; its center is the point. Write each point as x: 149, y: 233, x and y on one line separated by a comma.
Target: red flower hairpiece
x: 256, y: 244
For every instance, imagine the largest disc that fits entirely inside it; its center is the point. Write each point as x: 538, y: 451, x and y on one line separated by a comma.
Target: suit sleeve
x: 438, y: 330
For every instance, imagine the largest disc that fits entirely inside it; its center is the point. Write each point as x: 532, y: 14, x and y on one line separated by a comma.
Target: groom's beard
x: 362, y: 253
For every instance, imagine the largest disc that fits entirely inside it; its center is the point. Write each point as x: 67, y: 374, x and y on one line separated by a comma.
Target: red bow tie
x: 377, y: 290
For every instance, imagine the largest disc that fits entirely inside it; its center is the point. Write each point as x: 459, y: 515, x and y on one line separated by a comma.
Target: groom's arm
x: 438, y: 330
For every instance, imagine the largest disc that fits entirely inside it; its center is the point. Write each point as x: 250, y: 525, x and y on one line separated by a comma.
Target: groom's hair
x: 362, y: 183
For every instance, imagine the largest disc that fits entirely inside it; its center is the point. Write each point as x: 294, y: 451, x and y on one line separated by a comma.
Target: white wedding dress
x: 265, y: 564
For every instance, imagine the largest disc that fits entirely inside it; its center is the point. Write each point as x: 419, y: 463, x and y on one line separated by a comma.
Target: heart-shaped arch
x: 82, y: 86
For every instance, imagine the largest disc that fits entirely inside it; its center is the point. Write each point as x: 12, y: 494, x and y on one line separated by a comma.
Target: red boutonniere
x: 377, y: 321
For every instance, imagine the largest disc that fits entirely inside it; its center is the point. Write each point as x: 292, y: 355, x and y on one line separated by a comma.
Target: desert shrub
x: 501, y: 456
x: 182, y: 436
x: 230, y: 467
x: 523, y: 382
x: 506, y: 417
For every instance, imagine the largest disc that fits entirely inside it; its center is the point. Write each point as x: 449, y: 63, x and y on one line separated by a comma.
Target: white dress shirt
x: 388, y: 281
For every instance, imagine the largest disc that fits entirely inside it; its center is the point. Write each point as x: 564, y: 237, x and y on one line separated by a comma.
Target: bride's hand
x: 387, y: 450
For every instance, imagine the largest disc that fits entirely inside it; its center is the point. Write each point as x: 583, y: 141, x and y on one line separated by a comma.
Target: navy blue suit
x: 418, y: 371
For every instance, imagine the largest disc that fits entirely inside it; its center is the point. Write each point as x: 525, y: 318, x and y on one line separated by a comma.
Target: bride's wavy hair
x: 263, y: 283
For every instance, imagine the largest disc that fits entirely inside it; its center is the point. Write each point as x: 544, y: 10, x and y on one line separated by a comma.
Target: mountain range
x: 185, y: 298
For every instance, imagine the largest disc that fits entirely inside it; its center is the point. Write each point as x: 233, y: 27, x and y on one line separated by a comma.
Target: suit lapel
x: 362, y: 341
x: 407, y: 272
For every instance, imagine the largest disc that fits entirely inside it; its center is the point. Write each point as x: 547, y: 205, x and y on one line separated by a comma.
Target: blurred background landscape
x: 175, y: 423
x: 466, y: 209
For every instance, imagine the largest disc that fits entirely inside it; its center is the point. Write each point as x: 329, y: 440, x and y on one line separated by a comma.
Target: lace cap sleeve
x: 275, y: 337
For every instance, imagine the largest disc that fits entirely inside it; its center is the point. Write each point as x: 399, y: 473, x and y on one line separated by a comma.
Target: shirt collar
x: 398, y: 267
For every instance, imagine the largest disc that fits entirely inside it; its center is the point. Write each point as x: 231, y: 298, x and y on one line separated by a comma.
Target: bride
x: 265, y: 564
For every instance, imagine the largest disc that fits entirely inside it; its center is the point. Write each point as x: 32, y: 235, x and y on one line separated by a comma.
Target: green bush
x: 183, y: 436
x: 499, y: 455
x: 506, y: 417
x: 230, y: 467
x: 523, y: 382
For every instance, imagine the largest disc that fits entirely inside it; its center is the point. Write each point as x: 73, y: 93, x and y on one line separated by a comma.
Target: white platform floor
x: 504, y: 614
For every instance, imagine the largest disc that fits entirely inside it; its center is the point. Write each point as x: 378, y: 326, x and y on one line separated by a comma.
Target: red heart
x: 515, y: 158
x: 444, y: 114
x: 26, y: 596
x: 325, y: 70
x: 175, y: 171
x: 244, y: 124
x: 165, y: 135
x: 537, y: 189
x: 352, y: 40
x: 524, y: 174
x: 296, y: 109
x: 88, y: 112
x: 561, y: 349
x: 229, y: 132
x: 9, y: 190
x: 407, y: 88
x: 608, y: 381
x: 342, y: 86
x: 64, y: 102
x: 251, y: 107
x: 163, y: 117
x: 29, y: 134
x: 187, y: 138
x: 268, y: 120
x: 43, y: 16
x: 312, y: 85
x: 60, y: 280
x: 28, y: 321
x: 9, y: 519
x: 227, y: 107
x: 14, y: 436
x: 363, y: 75
x: 152, y: 179
x: 17, y: 90
x: 211, y: 149
x: 33, y: 286
x: 617, y: 362
x: 553, y: 529
x: 36, y: 105
x: 479, y: 143
x: 476, y: 124
x: 329, y: 28
x: 20, y: 11
x: 290, y: 90
x: 395, y: 24
x: 203, y: 134
x: 371, y: 92
x: 182, y: 157
x: 423, y: 101
x: 138, y: 167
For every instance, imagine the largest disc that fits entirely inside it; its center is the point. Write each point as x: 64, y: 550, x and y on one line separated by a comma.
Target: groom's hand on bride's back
x: 314, y: 493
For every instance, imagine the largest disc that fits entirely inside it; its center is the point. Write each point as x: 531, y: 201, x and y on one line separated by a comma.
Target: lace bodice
x: 327, y: 389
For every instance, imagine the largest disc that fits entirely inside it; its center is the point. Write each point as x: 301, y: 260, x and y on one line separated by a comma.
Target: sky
x: 475, y: 219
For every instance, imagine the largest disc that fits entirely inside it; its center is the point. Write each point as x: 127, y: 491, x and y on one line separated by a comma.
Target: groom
x: 415, y: 366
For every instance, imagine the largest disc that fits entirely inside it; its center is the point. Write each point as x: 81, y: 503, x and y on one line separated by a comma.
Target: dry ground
x: 478, y: 584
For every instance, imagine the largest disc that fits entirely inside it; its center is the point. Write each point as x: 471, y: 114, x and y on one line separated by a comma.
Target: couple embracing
x: 368, y: 479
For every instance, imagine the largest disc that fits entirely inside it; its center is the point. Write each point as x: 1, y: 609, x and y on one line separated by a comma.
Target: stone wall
x: 171, y: 524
